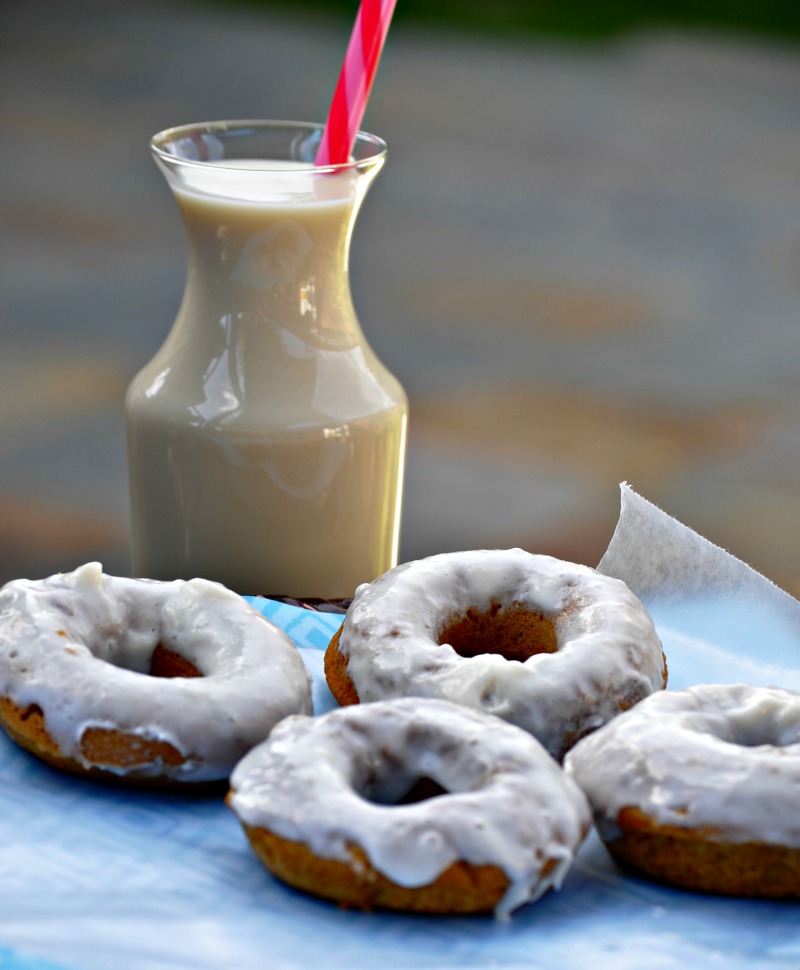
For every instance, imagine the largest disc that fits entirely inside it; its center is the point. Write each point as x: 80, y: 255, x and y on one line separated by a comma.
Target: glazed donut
x: 553, y: 647
x: 699, y: 788
x: 410, y: 804
x: 76, y: 650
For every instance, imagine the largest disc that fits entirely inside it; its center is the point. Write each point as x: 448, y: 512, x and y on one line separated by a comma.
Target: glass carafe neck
x: 268, y: 231
x: 284, y: 264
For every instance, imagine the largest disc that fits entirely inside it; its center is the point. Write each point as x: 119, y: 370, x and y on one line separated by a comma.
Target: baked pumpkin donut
x: 701, y: 788
x: 152, y: 682
x: 410, y: 804
x: 553, y: 647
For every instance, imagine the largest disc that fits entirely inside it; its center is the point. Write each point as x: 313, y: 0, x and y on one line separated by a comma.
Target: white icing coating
x: 328, y: 782
x: 724, y: 758
x: 608, y: 656
x: 79, y: 646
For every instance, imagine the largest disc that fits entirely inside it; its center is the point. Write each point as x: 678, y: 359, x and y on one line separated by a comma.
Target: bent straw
x: 355, y: 81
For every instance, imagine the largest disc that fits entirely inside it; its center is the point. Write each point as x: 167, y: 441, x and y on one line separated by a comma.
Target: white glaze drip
x: 724, y: 758
x: 608, y: 656
x: 508, y: 804
x: 79, y: 646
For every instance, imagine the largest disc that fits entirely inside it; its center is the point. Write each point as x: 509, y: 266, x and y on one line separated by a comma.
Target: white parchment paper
x: 720, y: 621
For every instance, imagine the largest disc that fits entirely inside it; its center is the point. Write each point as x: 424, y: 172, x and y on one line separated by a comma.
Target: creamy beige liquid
x: 266, y: 440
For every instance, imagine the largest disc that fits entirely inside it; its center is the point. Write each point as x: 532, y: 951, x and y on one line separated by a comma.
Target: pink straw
x: 355, y: 81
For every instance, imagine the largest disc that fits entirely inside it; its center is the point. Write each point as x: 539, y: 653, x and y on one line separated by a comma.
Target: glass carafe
x: 266, y: 441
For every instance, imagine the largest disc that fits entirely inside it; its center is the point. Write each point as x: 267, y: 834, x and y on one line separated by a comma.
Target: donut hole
x: 419, y: 790
x: 392, y: 780
x: 161, y: 662
x: 514, y: 632
x: 170, y: 663
x: 758, y: 734
x: 403, y: 791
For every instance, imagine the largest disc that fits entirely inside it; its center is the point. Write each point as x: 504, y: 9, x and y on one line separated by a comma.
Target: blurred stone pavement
x: 582, y: 261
